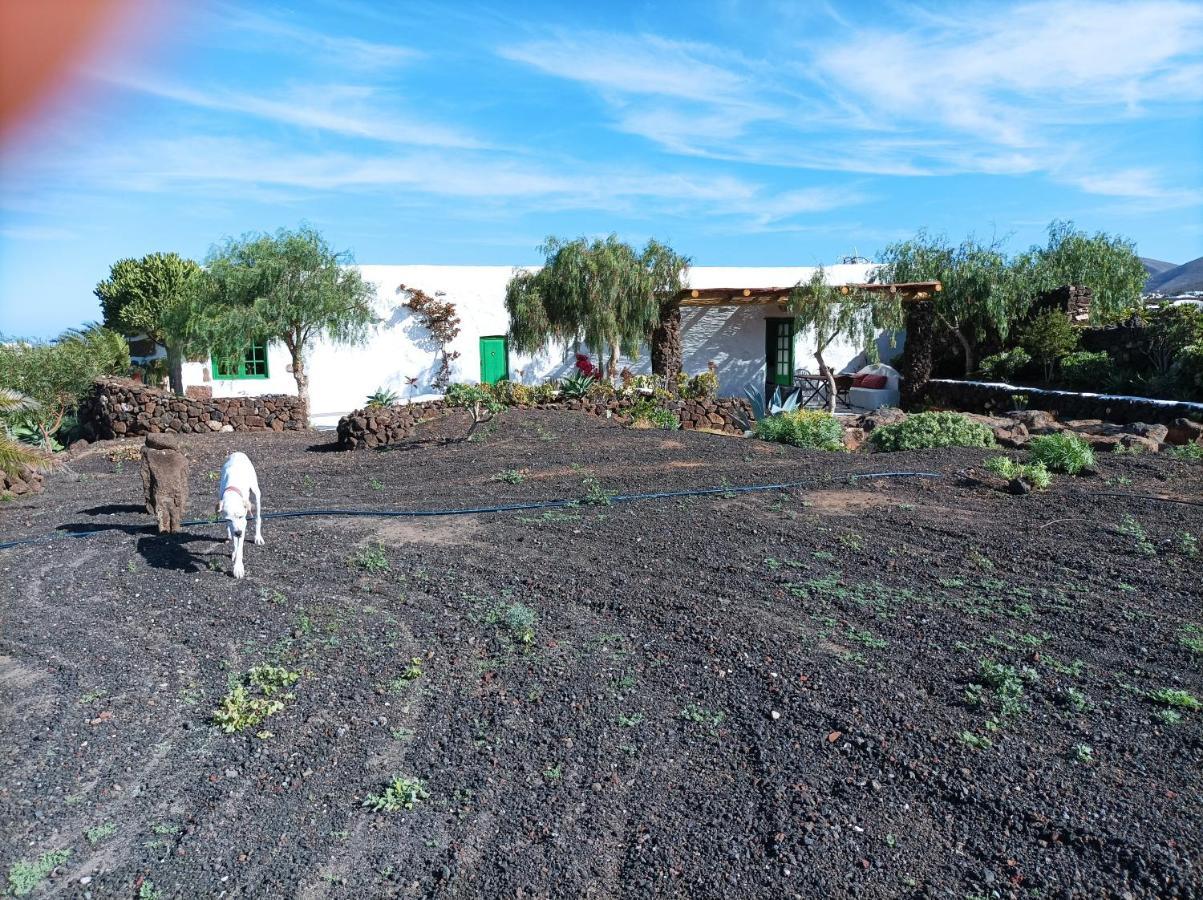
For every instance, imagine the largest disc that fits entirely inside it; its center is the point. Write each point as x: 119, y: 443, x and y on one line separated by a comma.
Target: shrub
x: 546, y: 392
x: 703, y: 386
x: 656, y: 416
x: 576, y: 385
x: 1088, y: 371
x: 1061, y: 452
x: 1048, y: 337
x: 1005, y: 366
x: 1188, y: 370
x: 477, y: 399
x: 1034, y: 474
x: 1186, y: 453
x: 811, y: 428
x: 511, y: 393
x: 400, y: 793
x: 381, y: 398
x: 931, y: 429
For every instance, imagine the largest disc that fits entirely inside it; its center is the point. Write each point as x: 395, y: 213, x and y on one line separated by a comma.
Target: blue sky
x: 741, y: 133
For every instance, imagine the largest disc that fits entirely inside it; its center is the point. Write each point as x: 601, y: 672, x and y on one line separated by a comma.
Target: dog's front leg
x: 239, y: 571
x: 258, y: 518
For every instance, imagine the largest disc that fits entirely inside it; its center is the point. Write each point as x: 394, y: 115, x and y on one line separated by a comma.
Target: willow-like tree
x: 832, y: 312
x: 289, y: 287
x: 1105, y: 263
x: 603, y: 294
x: 148, y: 296
x: 980, y: 293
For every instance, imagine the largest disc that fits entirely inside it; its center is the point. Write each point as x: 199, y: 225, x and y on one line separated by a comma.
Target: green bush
x: 931, y: 429
x: 546, y: 392
x: 1188, y: 370
x: 703, y: 386
x: 511, y: 393
x: 657, y: 416
x: 1034, y: 474
x: 1088, y: 371
x: 1005, y: 366
x: 1061, y: 452
x: 811, y: 428
x: 576, y: 385
x: 1048, y: 337
x: 1186, y: 453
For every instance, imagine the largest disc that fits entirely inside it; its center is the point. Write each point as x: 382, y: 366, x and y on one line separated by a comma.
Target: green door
x: 779, y: 351
x: 494, y: 360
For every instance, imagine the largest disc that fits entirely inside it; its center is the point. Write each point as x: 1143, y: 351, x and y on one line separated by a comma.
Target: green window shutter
x: 251, y: 364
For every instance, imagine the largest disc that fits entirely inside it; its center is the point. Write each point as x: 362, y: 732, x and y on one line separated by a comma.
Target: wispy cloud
x: 350, y: 110
x: 975, y: 90
x: 344, y: 52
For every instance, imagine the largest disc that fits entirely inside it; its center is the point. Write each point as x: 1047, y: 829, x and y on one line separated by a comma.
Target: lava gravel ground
x: 872, y: 688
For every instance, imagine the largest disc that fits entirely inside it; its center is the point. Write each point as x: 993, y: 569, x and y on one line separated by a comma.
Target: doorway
x: 779, y: 352
x: 494, y: 360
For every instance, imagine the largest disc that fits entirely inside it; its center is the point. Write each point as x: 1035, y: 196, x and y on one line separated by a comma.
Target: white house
x: 745, y: 341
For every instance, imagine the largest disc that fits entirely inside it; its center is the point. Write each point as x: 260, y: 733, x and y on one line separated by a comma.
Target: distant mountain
x: 1156, y: 266
x: 1176, y: 279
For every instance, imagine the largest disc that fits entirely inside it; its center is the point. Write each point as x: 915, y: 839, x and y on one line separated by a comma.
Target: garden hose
x: 511, y: 507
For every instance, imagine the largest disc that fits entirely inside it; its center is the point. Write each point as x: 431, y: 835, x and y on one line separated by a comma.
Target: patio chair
x: 874, y: 386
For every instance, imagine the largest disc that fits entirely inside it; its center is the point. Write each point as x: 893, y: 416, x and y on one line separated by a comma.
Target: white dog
x: 239, y: 494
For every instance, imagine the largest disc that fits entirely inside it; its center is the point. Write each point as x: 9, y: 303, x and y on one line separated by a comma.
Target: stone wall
x: 972, y: 396
x: 123, y: 408
x: 379, y: 427
x: 27, y: 481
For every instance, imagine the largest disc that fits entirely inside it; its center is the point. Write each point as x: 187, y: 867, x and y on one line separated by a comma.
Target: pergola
x: 766, y: 296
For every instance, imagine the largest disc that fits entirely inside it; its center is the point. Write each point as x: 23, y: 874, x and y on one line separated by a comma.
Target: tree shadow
x: 170, y: 551
x: 329, y: 447
x: 112, y: 509
x: 88, y: 527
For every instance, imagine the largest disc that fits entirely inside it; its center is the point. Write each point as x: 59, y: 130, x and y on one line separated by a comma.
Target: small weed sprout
x: 974, y: 741
x: 371, y: 559
x: 1130, y: 527
x: 1169, y: 716
x: 240, y: 709
x: 1077, y: 700
x: 376, y: 483
x: 1191, y: 637
x: 1186, y: 453
x: 400, y: 793
x: 520, y: 620
x: 148, y: 891
x: 24, y: 876
x: 510, y: 476
x: 1188, y: 545
x: 867, y: 639
x: 553, y: 773
x: 1176, y: 698
x: 699, y: 716
x: 1083, y: 753
x: 630, y: 721
x: 595, y: 494
x: 98, y: 833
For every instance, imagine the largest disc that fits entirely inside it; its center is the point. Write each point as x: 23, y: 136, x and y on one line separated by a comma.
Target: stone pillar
x: 666, y: 344
x: 915, y: 365
x: 165, y: 482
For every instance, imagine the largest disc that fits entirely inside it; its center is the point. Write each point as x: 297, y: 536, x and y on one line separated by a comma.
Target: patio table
x: 813, y: 387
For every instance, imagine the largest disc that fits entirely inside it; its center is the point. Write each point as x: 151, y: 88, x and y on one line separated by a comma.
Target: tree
x: 601, y: 293
x: 56, y: 376
x: 441, y: 322
x: 979, y: 292
x: 288, y: 287
x: 834, y: 312
x: 1048, y: 337
x: 1106, y: 264
x: 143, y: 296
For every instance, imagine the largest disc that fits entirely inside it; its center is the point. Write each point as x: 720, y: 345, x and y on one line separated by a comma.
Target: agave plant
x: 778, y: 403
x: 576, y: 385
x: 381, y: 398
x: 14, y: 457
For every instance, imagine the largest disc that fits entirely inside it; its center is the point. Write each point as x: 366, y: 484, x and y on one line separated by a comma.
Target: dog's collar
x: 235, y: 490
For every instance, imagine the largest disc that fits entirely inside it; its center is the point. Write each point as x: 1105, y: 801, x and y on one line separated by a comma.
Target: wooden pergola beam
x: 906, y: 291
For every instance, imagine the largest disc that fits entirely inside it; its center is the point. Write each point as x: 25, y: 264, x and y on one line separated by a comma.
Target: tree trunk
x: 666, y: 345
x: 966, y: 346
x: 611, y: 365
x: 175, y: 371
x: 302, y: 380
x: 825, y: 371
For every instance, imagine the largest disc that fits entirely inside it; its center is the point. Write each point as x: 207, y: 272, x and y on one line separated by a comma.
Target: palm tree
x: 14, y: 456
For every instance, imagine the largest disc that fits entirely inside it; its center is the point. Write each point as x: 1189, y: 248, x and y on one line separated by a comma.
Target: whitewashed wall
x: 341, y: 377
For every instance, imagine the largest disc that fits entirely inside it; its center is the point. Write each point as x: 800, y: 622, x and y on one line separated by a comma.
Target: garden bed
x: 881, y: 688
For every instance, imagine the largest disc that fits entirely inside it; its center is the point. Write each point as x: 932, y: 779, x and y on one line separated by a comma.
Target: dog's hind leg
x: 258, y: 495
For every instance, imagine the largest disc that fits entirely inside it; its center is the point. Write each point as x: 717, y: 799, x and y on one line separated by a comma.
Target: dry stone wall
x: 123, y: 408
x: 379, y: 427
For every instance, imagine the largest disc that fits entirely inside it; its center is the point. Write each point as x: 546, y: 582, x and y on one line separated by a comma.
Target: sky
x: 784, y: 133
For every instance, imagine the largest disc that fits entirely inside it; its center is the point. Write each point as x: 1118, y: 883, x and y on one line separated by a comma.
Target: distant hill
x: 1156, y: 266
x: 1175, y: 280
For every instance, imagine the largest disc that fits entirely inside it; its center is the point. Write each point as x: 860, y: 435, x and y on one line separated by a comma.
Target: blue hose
x: 511, y: 507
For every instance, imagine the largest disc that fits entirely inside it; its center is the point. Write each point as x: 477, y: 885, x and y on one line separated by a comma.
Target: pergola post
x: 915, y: 364
x: 666, y: 343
